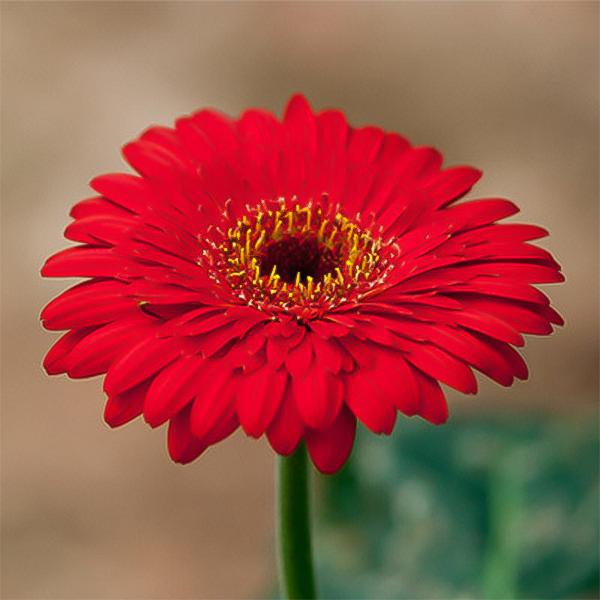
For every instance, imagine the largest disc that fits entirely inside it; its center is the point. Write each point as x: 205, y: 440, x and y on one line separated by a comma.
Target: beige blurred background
x: 510, y: 87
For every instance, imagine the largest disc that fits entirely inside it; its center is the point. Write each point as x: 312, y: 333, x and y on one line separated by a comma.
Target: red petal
x: 460, y: 343
x: 329, y: 448
x: 419, y: 163
x: 287, y: 428
x: 440, y: 365
x: 183, y: 445
x: 328, y: 329
x: 365, y: 144
x: 89, y: 303
x: 129, y: 191
x: 517, y: 315
x: 331, y: 164
x: 328, y: 353
x: 277, y: 348
x: 406, y: 394
x: 370, y: 401
x: 122, y: 408
x: 215, y: 398
x: 57, y: 360
x: 218, y: 128
x: 433, y: 402
x: 142, y: 361
x: 299, y: 359
x: 153, y: 161
x: 503, y: 289
x: 299, y: 123
x: 94, y: 354
x: 258, y: 398
x: 96, y: 206
x: 451, y: 184
x: 476, y: 213
x: 223, y: 428
x: 513, y: 358
x: 99, y: 229
x: 549, y: 313
x: 84, y: 261
x: 172, y: 389
x: 487, y: 324
x: 318, y: 395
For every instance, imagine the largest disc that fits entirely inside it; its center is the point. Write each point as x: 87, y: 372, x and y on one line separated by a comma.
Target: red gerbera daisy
x: 291, y: 277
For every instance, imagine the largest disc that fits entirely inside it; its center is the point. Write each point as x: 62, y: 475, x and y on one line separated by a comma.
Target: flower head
x: 290, y: 278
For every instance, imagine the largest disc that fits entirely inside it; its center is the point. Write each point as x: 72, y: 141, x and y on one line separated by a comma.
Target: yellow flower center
x: 302, y: 259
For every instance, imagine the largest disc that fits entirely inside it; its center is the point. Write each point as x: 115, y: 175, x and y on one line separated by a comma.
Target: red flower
x: 291, y: 277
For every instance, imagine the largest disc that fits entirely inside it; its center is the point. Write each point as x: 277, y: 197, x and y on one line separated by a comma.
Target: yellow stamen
x: 309, y: 285
x: 260, y: 241
x: 247, y: 247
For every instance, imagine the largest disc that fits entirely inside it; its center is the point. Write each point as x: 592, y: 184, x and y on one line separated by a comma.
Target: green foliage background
x: 495, y: 508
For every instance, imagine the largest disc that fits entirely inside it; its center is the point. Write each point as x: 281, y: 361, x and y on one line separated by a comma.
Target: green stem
x: 296, y: 572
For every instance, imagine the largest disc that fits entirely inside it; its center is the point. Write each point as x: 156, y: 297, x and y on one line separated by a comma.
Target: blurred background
x: 501, y: 502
